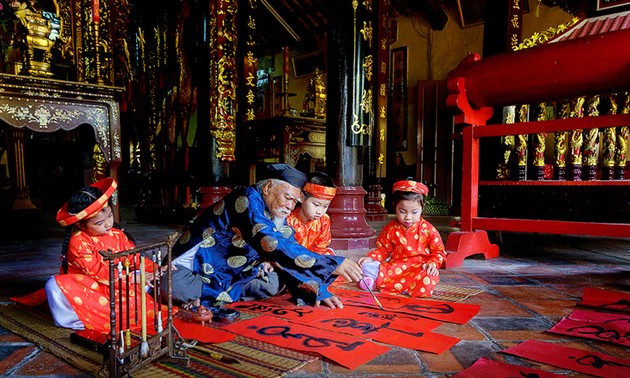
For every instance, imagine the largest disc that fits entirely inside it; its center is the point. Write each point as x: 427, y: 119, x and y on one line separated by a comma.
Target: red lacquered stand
x: 578, y: 67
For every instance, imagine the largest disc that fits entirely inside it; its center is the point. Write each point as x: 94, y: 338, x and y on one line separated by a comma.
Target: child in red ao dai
x: 409, y: 250
x: 309, y: 220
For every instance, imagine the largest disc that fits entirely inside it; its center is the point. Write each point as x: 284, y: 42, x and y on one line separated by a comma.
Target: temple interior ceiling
x: 303, y: 24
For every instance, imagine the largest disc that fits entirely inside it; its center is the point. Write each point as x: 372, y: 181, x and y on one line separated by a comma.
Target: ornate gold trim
x: 543, y: 37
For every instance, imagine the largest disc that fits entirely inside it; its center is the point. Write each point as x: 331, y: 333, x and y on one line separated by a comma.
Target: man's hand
x: 332, y: 302
x: 349, y: 270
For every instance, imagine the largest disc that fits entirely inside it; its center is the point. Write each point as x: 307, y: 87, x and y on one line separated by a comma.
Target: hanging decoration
x: 250, y: 67
x: 381, y: 85
x: 223, y: 46
x: 362, y: 123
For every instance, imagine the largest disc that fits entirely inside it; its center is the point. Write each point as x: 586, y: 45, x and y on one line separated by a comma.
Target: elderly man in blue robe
x: 241, y: 248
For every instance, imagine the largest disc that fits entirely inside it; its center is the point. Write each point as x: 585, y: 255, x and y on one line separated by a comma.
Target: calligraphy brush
x: 373, y: 295
x: 216, y: 356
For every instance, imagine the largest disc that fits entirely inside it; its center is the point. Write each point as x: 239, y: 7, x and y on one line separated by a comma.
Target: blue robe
x: 236, y: 234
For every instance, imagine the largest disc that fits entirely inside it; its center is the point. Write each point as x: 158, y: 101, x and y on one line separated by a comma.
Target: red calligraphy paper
x: 583, y: 361
x: 348, y: 351
x: 382, y: 331
x: 601, y: 317
x: 452, y: 312
x: 606, y: 299
x: 201, y: 333
x: 281, y: 308
x: 396, y: 320
x: 385, y: 326
x: 486, y: 368
x: 608, y: 332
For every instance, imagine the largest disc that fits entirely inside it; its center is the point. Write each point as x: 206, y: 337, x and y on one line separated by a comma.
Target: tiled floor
x: 536, y: 280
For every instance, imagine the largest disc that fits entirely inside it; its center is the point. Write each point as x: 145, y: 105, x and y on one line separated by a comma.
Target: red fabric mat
x: 606, y: 299
x: 452, y: 312
x: 201, y: 333
x: 486, y: 368
x: 345, y: 350
x: 583, y: 361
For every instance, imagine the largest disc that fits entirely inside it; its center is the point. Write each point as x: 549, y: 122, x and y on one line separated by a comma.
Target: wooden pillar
x: 217, y: 117
x: 350, y: 120
x: 377, y: 159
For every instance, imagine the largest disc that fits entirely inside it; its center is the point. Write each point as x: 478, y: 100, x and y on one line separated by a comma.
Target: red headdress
x: 107, y: 186
x: 320, y: 191
x: 410, y: 186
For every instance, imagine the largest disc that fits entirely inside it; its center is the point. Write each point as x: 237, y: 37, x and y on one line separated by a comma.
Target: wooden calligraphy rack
x: 124, y: 361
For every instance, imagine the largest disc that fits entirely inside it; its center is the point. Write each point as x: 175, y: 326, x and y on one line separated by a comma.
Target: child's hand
x: 364, y: 260
x: 431, y: 269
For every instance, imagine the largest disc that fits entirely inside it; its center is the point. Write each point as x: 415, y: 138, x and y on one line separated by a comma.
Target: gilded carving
x: 357, y: 128
x: 317, y: 137
x: 99, y: 170
x: 42, y: 115
x: 521, y: 140
x: 539, y: 140
x: 366, y: 101
x: 367, y: 32
x: 609, y: 137
x: 368, y: 5
x: 560, y: 137
x: 576, y: 139
x: 507, y: 145
x: 543, y: 37
x: 367, y: 67
x: 591, y: 136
